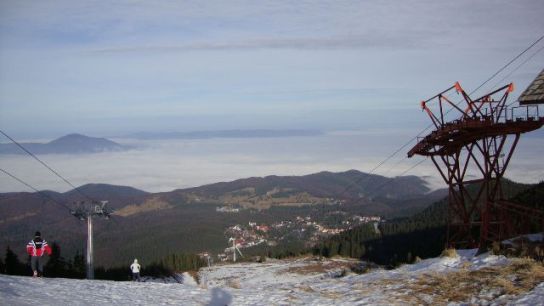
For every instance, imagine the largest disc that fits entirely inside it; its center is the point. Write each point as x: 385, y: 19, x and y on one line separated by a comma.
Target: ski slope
x: 287, y: 282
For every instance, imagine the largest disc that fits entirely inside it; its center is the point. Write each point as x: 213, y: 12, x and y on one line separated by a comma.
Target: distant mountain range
x: 350, y: 185
x: 81, y: 144
x: 256, y: 133
x: 151, y: 225
x: 69, y: 144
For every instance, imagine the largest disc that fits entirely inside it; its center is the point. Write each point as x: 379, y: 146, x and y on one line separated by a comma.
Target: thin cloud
x: 413, y: 41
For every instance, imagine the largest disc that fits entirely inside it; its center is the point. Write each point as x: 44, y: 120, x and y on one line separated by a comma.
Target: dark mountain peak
x: 74, y: 136
x: 69, y: 144
x: 353, y: 171
x: 80, y: 139
x: 106, y: 191
x: 71, y: 137
x: 77, y: 143
x: 322, y: 173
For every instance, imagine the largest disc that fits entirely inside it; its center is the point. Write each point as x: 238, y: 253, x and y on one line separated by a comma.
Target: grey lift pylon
x: 86, y: 211
x: 234, y: 249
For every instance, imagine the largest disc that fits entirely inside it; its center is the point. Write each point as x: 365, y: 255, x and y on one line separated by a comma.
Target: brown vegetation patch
x: 305, y: 288
x: 149, y: 205
x: 234, y: 283
x: 247, y: 198
x: 195, y: 276
x: 307, y: 269
x: 451, y: 253
x: 322, y: 267
x: 520, y: 276
x: 520, y: 247
x: 333, y: 295
x: 19, y: 217
x: 292, y: 297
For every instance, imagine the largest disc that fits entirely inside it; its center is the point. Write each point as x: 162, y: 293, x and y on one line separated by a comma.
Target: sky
x: 110, y: 68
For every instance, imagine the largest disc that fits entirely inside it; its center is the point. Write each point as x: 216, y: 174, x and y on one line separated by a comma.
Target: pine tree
x: 12, y: 263
x: 78, y: 265
x: 57, y: 265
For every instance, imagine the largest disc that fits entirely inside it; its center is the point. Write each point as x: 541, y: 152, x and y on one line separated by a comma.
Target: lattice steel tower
x: 471, y: 147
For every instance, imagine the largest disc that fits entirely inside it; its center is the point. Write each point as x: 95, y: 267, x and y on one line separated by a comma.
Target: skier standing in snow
x: 135, y: 268
x: 36, y: 248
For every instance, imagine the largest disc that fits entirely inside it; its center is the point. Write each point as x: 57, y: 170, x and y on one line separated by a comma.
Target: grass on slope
x: 520, y: 276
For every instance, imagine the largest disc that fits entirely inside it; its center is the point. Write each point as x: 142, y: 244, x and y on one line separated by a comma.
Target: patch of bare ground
x: 330, y: 294
x: 305, y: 288
x: 19, y: 217
x: 234, y: 283
x: 149, y: 205
x: 307, y: 269
x: 520, y: 247
x: 522, y: 275
x: 291, y: 297
x: 451, y: 253
x: 195, y: 276
x: 321, y: 267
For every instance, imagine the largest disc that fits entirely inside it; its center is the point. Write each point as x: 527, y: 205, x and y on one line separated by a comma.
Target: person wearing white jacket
x: 135, y: 268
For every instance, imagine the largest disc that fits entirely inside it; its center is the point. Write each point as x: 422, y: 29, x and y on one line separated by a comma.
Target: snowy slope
x: 293, y: 282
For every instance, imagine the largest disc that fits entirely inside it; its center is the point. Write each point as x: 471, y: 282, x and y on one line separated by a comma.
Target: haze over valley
x: 156, y: 165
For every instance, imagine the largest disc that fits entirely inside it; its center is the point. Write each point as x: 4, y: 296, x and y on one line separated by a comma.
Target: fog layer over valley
x: 168, y: 164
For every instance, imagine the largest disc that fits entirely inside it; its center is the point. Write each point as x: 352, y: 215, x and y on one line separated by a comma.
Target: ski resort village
x: 303, y: 229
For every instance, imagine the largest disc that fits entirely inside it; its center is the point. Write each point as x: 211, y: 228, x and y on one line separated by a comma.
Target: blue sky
x: 110, y: 68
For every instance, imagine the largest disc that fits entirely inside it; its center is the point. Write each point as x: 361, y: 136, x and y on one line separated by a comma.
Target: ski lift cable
x: 48, y: 223
x: 509, y: 63
x: 352, y: 184
x: 391, y: 179
x: 33, y: 188
x: 48, y: 197
x: 395, y: 165
x: 497, y: 83
x: 55, y: 172
x: 47, y: 166
x: 381, y: 163
x: 519, y: 66
x: 472, y: 92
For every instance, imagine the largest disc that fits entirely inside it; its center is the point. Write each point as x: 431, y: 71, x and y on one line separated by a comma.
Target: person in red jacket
x: 36, y: 248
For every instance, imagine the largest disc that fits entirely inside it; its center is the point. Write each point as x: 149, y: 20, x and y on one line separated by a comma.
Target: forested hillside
x: 153, y: 225
x: 533, y: 197
x: 422, y: 235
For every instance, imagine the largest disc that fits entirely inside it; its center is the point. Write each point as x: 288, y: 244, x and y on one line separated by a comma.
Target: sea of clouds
x: 165, y: 165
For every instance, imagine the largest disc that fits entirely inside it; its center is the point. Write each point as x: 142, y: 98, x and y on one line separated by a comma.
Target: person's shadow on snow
x: 220, y: 297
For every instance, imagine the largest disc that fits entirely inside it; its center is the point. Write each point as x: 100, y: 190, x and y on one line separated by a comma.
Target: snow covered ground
x: 275, y: 282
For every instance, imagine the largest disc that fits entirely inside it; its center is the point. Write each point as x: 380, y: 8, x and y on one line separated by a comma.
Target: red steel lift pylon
x: 472, y: 152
